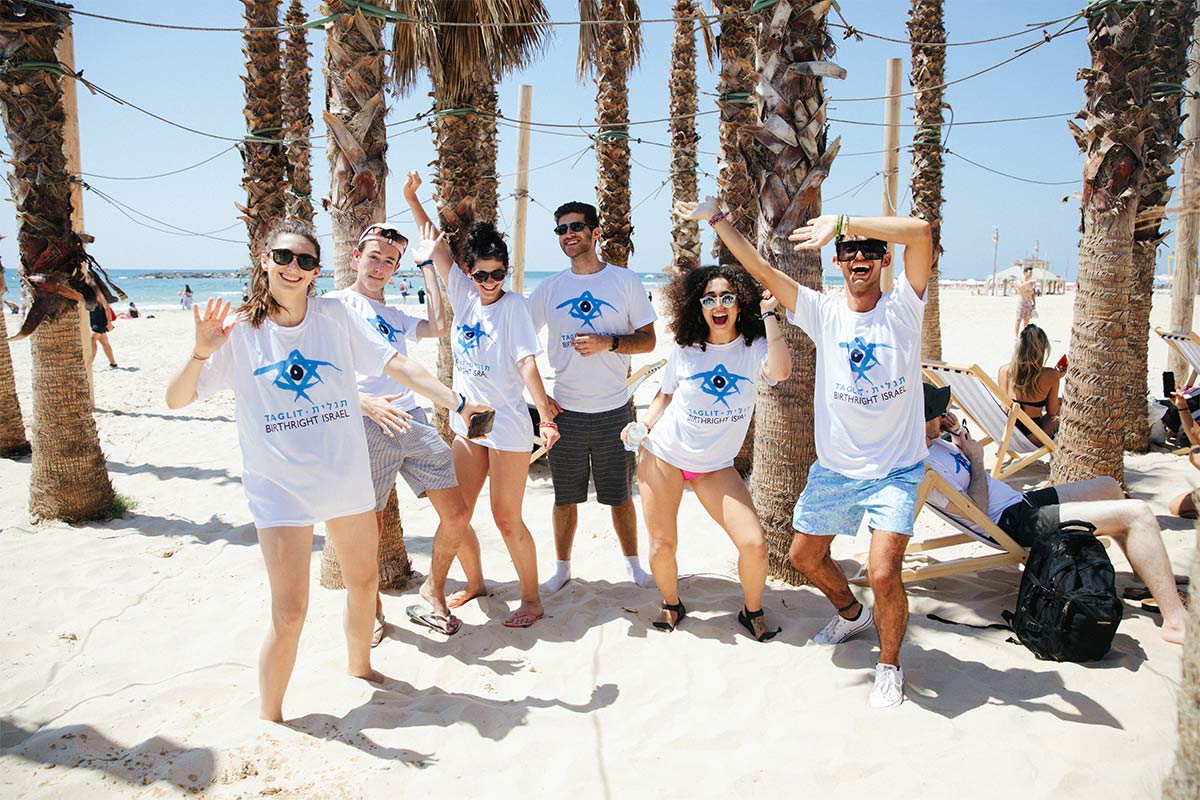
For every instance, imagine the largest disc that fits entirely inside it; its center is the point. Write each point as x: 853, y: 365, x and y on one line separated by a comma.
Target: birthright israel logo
x: 389, y: 332
x: 586, y: 308
x: 718, y: 382
x: 862, y: 357
x: 470, y: 336
x: 296, y: 374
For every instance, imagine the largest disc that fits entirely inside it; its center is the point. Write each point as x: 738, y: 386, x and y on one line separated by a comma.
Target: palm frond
x: 620, y: 18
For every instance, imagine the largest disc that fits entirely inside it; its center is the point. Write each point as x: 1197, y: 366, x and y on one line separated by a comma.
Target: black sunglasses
x: 282, y: 256
x: 496, y: 275
x: 872, y: 249
x: 573, y: 227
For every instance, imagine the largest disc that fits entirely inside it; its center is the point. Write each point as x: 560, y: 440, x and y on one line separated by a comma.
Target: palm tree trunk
x: 1092, y: 437
x: 1135, y: 387
x: 737, y: 170
x: 297, y: 121
x: 1184, y: 781
x: 925, y: 25
x: 1183, y: 290
x: 487, y: 191
x: 685, y: 233
x: 614, y: 60
x: 13, y: 443
x: 265, y: 162
x: 795, y: 42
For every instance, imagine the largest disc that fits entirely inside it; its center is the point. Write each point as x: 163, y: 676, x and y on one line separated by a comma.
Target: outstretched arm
x: 547, y: 429
x: 211, y: 335
x: 911, y: 232
x: 410, y: 373
x: 779, y: 360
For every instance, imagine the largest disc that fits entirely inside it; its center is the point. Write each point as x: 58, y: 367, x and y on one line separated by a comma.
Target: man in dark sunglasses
x: 596, y: 316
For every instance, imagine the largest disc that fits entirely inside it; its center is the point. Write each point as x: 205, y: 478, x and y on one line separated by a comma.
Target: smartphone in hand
x: 481, y: 424
x: 1168, y: 379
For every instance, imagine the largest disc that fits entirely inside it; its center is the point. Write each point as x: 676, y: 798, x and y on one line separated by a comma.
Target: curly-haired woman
x: 727, y: 337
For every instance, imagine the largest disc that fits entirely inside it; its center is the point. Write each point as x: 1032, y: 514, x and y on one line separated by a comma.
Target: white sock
x: 562, y: 574
x: 633, y: 568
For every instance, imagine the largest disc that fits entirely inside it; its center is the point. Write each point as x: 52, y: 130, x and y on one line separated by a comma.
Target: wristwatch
x: 774, y: 314
x: 616, y: 343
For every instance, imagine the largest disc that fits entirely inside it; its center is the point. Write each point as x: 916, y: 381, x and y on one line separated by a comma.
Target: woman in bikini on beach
x: 291, y: 360
x: 727, y: 339
x: 1030, y: 382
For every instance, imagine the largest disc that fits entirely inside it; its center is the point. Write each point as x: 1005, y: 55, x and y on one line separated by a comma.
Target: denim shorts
x: 831, y: 503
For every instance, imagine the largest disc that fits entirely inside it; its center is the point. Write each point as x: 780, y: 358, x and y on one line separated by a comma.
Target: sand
x: 129, y: 648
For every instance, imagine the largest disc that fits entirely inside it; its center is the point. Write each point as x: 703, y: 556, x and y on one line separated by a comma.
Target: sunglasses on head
x: 282, y: 256
x: 496, y: 275
x: 726, y: 300
x: 872, y: 249
x: 384, y: 232
x: 573, y: 227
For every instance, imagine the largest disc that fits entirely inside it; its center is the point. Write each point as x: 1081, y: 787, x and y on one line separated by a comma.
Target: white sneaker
x: 840, y: 629
x: 888, y: 691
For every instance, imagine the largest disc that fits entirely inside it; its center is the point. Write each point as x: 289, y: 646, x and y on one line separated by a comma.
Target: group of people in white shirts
x: 327, y: 416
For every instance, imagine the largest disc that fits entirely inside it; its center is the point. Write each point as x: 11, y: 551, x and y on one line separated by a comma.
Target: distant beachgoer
x: 101, y: 322
x: 1026, y: 300
x: 304, y: 453
x: 185, y: 297
x: 245, y: 292
x: 595, y: 319
x: 727, y: 339
x: 421, y: 296
x: 403, y: 291
x: 1030, y: 382
x: 867, y: 414
x: 133, y: 310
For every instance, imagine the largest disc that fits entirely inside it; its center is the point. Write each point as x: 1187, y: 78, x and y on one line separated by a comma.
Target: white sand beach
x: 129, y: 647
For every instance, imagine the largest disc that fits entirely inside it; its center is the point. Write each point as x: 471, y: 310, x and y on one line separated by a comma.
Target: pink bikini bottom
x: 688, y: 475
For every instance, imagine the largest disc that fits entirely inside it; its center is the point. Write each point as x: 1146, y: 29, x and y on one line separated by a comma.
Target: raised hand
x: 769, y: 302
x: 816, y: 233
x: 211, y: 332
x: 703, y: 210
x: 1179, y: 400
x: 430, y: 239
x: 411, y: 184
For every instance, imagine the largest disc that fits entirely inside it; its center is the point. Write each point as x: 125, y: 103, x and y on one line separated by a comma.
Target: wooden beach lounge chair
x: 1187, y: 344
x: 994, y: 413
x: 981, y: 530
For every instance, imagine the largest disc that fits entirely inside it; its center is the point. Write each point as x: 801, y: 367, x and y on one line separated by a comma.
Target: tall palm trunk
x: 13, y: 443
x: 793, y: 43
x: 297, y: 120
x: 69, y: 480
x: 1183, y: 289
x: 1184, y: 781
x: 1168, y: 63
x: 1092, y: 437
x: 264, y: 162
x: 739, y: 165
x: 357, y: 147
x: 925, y: 27
x: 685, y: 233
x: 487, y: 148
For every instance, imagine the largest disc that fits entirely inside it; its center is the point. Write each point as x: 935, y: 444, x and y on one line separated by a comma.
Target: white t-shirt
x: 714, y: 391
x: 868, y: 403
x: 611, y: 302
x: 487, y: 342
x: 395, y: 326
x: 304, y: 452
x: 952, y: 465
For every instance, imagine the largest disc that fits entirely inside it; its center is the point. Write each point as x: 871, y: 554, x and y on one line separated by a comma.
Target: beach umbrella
x: 684, y: 103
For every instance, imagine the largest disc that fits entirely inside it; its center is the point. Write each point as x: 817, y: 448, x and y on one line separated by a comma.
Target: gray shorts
x: 590, y: 445
x: 419, y: 456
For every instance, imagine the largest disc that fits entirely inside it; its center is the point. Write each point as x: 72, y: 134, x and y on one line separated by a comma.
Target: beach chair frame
x: 1181, y: 342
x: 1009, y: 459
x: 988, y: 533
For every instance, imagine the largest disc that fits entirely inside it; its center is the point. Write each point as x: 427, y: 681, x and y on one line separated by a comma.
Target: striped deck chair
x: 1187, y: 344
x: 978, y: 528
x: 994, y: 413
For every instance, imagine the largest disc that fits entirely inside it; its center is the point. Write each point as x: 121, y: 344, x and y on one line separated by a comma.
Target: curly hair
x: 261, y: 303
x: 487, y: 243
x: 683, y: 304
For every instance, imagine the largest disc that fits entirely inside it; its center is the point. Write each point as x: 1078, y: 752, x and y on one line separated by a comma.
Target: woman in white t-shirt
x: 291, y: 365
x: 727, y: 336
x: 495, y: 349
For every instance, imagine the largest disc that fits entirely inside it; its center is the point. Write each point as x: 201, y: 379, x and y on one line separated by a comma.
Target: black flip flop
x: 747, y: 617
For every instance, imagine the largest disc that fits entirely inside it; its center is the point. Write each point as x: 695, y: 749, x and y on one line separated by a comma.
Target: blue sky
x: 194, y: 79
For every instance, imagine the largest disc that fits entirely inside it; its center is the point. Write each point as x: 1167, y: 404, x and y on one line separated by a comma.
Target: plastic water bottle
x: 633, y: 438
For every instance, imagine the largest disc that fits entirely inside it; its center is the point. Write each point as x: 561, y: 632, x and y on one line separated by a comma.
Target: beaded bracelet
x: 548, y: 425
x: 717, y: 217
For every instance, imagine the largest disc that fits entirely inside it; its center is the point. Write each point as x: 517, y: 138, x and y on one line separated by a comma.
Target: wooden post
x: 66, y: 54
x: 1183, y: 287
x: 524, y: 112
x: 891, y: 159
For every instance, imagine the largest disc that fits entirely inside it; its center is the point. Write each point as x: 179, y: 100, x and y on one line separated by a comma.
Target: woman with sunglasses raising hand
x: 291, y: 365
x: 727, y: 338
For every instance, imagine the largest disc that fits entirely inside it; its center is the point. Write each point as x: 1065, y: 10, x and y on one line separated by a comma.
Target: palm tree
x: 739, y: 166
x: 297, y: 121
x: 795, y: 42
x: 928, y: 35
x: 1168, y: 62
x: 263, y: 156
x: 609, y: 51
x: 685, y: 234
x: 13, y: 443
x: 1184, y: 781
x: 1092, y: 437
x: 69, y: 480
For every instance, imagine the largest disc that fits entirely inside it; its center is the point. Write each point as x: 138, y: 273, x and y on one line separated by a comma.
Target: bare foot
x: 435, y: 600
x: 369, y: 675
x: 1175, y: 631
x: 464, y: 596
x: 272, y: 715
x: 525, y: 615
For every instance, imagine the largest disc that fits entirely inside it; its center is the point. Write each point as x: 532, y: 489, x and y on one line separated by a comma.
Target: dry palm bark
x: 610, y: 51
x: 927, y: 32
x: 1168, y: 62
x: 297, y: 121
x: 739, y: 165
x: 69, y: 480
x: 263, y: 158
x: 685, y: 233
x: 1183, y: 289
x: 13, y: 443
x: 1184, y: 781
x: 1092, y: 437
x: 793, y: 48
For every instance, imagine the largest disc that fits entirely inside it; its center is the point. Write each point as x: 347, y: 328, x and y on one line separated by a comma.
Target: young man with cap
x: 1025, y: 517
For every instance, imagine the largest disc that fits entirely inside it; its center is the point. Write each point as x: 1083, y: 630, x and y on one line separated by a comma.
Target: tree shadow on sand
x: 164, y: 473
x: 174, y: 417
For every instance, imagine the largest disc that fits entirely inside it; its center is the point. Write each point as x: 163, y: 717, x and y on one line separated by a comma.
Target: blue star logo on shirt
x: 296, y: 373
x: 719, y: 382
x: 469, y: 336
x: 389, y: 332
x: 586, y: 308
x: 862, y: 357
x: 961, y: 463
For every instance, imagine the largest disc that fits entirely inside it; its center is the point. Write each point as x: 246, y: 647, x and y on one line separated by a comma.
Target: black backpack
x: 1067, y: 605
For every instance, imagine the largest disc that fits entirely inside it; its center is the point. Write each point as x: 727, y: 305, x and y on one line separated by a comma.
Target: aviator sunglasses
x: 496, y: 275
x: 872, y: 249
x: 573, y: 227
x: 709, y: 302
x: 282, y: 256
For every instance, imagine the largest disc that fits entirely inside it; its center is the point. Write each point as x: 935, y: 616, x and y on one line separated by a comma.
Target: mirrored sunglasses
x: 496, y: 275
x: 871, y: 249
x: 282, y: 256
x: 573, y: 227
x: 709, y: 302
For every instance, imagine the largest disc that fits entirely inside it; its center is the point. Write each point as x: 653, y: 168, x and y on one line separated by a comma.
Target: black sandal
x: 678, y: 610
x: 747, y: 617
